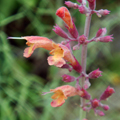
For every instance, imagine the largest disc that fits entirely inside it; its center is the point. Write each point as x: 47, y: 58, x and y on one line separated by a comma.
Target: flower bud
x: 101, y: 32
x: 68, y: 78
x: 83, y: 9
x: 95, y: 74
x: 100, y: 113
x: 60, y: 32
x: 85, y: 94
x: 82, y: 39
x: 106, y: 107
x: 76, y: 47
x: 95, y: 103
x: 105, y: 39
x: 71, y: 4
x: 107, y: 93
x: 104, y: 12
x: 92, y: 4
x: 87, y: 84
x: 66, y: 66
x: 86, y: 109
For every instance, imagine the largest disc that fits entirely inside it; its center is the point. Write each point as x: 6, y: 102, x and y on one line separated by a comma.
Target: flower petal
x: 56, y: 103
x: 42, y: 42
x: 58, y: 62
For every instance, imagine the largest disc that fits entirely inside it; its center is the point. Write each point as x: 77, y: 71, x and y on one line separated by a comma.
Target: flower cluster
x: 61, y: 56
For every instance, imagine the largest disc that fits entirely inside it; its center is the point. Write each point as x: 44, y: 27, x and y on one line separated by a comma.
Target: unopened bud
x: 101, y: 32
x: 95, y: 74
x: 85, y: 94
x: 71, y: 4
x: 83, y: 9
x: 95, y: 103
x: 104, y: 12
x: 87, y: 84
x: 82, y: 39
x: 92, y: 4
x: 105, y: 39
x: 106, y: 107
x: 76, y: 47
x: 107, y: 93
x: 100, y: 113
x: 86, y: 109
x: 60, y: 32
x: 68, y: 78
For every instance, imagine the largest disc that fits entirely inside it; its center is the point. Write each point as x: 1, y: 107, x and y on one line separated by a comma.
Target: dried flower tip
x: 76, y: 47
x: 60, y: 32
x: 92, y: 4
x: 95, y: 74
x: 105, y: 39
x: 68, y: 78
x: 83, y: 9
x: 82, y: 39
x: 101, y: 32
x: 95, y: 103
x: 106, y: 107
x: 104, y: 12
x: 71, y: 4
x: 107, y: 93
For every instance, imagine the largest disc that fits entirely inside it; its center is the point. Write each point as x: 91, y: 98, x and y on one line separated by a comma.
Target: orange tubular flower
x: 60, y: 53
x: 61, y: 93
x: 64, y: 14
x: 35, y: 42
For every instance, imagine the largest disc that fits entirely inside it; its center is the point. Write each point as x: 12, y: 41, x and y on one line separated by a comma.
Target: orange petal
x: 64, y: 14
x: 28, y: 51
x: 42, y: 42
x: 67, y: 54
x: 56, y: 103
x: 58, y: 62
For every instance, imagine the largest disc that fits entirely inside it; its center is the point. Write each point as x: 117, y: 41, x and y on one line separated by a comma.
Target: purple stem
x: 83, y: 62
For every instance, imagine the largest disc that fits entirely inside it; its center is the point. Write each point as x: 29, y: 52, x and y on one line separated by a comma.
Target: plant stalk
x: 83, y: 62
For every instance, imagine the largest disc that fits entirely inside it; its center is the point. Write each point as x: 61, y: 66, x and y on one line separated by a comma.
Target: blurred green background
x: 23, y: 80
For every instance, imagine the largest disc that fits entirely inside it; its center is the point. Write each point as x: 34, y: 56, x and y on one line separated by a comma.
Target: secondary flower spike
x: 61, y: 93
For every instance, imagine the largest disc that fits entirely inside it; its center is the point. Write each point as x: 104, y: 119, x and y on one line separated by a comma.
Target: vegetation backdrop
x: 23, y: 80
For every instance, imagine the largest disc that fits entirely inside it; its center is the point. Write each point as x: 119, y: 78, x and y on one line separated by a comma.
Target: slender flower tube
x: 61, y: 93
